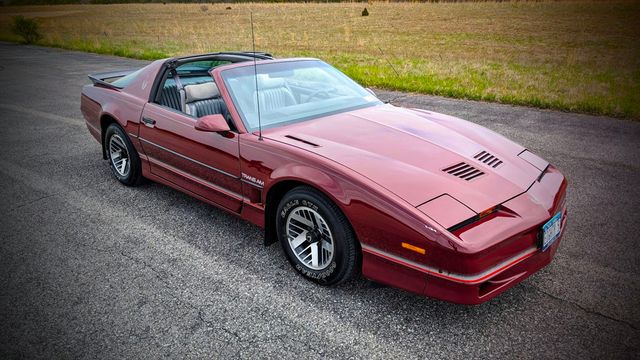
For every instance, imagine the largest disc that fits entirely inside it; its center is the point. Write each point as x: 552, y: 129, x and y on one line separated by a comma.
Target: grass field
x: 577, y: 56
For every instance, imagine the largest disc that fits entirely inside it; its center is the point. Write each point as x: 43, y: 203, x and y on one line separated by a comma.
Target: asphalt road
x: 93, y: 269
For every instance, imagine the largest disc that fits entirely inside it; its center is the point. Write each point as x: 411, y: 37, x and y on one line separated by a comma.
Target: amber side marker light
x: 489, y: 211
x: 414, y: 248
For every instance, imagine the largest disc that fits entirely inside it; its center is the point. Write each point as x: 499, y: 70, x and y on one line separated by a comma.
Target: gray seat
x: 274, y: 93
x: 204, y: 99
x: 169, y: 96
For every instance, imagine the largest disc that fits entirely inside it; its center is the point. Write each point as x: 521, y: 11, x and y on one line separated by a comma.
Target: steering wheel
x: 318, y: 92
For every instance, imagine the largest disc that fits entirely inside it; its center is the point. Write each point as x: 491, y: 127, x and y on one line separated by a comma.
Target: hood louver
x: 464, y: 171
x: 301, y: 140
x: 488, y: 159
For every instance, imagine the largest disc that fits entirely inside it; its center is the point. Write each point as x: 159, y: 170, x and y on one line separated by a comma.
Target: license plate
x: 551, y: 231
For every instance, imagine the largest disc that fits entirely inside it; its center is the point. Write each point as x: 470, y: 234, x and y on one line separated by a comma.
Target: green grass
x: 130, y: 49
x: 574, y: 55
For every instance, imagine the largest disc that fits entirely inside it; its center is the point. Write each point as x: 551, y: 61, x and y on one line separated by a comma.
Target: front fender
x: 310, y: 176
x: 295, y: 173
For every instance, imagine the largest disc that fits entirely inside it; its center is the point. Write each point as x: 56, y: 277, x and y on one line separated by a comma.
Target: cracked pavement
x: 93, y: 269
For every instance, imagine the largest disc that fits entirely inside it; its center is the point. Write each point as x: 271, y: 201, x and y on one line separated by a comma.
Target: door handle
x: 148, y: 122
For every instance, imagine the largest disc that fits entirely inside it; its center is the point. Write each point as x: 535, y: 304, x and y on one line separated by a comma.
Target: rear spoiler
x: 106, y: 78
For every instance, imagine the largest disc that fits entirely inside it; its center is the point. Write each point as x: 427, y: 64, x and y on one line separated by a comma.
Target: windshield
x: 293, y: 91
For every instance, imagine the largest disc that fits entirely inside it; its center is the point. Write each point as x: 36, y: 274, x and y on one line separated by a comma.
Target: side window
x: 195, y: 94
x: 191, y: 73
x: 188, y: 74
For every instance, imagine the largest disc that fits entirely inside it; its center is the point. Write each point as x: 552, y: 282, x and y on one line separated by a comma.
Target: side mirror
x: 212, y: 123
x: 371, y: 91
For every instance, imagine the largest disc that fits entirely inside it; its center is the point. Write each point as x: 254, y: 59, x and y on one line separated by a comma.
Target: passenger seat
x: 204, y: 99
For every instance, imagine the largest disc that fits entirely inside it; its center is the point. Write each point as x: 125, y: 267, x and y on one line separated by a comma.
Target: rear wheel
x: 316, y: 237
x: 123, y: 157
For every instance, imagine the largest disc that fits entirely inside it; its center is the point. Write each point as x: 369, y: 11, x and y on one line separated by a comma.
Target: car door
x: 203, y: 163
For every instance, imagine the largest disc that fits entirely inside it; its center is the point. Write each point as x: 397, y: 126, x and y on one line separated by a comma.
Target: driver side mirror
x: 212, y: 123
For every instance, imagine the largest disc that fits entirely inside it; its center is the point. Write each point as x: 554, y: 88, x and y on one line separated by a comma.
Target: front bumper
x: 458, y: 288
x: 479, y: 292
x: 518, y: 256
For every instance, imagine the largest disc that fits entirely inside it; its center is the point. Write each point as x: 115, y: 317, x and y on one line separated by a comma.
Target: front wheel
x: 316, y: 237
x: 123, y: 157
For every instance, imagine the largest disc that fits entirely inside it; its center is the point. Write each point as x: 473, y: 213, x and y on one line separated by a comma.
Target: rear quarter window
x: 127, y: 79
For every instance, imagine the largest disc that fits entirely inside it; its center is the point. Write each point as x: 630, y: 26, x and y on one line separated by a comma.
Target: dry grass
x: 579, y: 56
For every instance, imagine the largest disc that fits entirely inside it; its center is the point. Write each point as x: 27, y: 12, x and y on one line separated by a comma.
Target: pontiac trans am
x: 347, y: 184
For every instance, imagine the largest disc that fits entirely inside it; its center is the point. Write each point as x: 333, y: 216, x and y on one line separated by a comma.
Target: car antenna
x: 395, y: 71
x: 255, y: 72
x: 388, y: 62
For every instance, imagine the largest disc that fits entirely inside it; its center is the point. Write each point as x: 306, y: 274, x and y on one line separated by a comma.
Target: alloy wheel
x: 119, y: 155
x: 310, y: 238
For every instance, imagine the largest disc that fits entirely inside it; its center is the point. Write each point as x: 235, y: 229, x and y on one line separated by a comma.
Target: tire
x: 119, y: 148
x: 306, y: 219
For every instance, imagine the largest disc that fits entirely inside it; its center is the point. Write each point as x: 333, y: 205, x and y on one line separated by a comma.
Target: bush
x: 27, y: 29
x: 365, y: 12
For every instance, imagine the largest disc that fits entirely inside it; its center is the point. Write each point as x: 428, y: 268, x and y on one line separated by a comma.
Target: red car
x: 410, y: 198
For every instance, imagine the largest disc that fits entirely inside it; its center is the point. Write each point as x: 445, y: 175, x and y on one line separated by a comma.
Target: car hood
x: 409, y: 152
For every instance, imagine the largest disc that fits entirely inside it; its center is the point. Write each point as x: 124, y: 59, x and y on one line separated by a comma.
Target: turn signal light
x: 414, y: 248
x: 471, y: 220
x: 489, y: 211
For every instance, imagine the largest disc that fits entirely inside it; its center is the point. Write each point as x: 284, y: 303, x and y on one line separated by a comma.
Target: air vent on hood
x: 302, y: 140
x: 464, y: 171
x: 488, y: 159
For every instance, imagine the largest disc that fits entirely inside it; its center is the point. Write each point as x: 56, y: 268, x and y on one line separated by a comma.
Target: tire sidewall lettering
x: 286, y: 209
x: 318, y: 275
x: 288, y: 206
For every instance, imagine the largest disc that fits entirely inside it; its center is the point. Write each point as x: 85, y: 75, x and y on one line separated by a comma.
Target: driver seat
x: 273, y: 93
